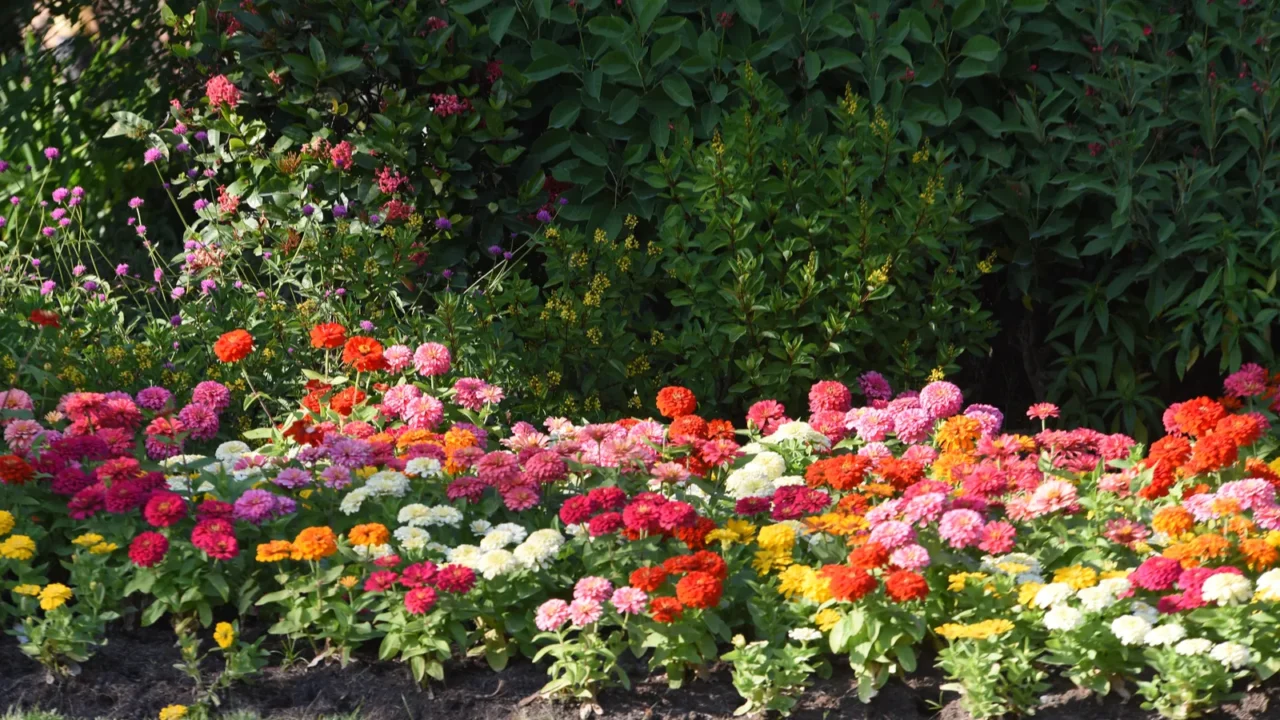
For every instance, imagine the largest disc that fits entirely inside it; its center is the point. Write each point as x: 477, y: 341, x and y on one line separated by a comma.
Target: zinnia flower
x: 233, y: 346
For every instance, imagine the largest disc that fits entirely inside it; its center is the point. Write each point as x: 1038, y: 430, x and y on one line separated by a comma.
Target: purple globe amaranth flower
x: 3, y: 166
x: 202, y: 136
x: 179, y: 129
x: 308, y: 209
x: 443, y: 223
x: 176, y: 321
x: 201, y: 204
x: 46, y: 287
x: 51, y: 153
x: 366, y: 326
x: 495, y: 249
x: 507, y: 255
x: 152, y: 155
x: 446, y: 273
x: 182, y: 148
x: 122, y: 269
x: 544, y: 216
x: 90, y: 285
x: 339, y: 211
x: 60, y: 194
x: 207, y: 286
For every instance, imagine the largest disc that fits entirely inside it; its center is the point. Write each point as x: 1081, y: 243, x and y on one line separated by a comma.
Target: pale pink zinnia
x: 584, y: 612
x: 669, y: 472
x: 941, y: 399
x: 1052, y: 496
x: 398, y: 357
x: 431, y: 359
x: 1042, y: 411
x: 961, y: 528
x: 892, y: 534
x: 551, y: 615
x: 594, y: 588
x: 629, y: 600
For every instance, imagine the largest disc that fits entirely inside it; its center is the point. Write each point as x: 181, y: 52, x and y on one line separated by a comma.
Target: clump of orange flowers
x: 675, y: 401
x: 328, y: 336
x: 364, y: 354
x: 275, y: 551
x: 842, y: 472
x: 315, y: 543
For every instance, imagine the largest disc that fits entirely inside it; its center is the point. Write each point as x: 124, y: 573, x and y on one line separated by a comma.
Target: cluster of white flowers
x: 412, y: 538
x: 372, y: 552
x: 1165, y: 635
x: 1233, y: 655
x: 387, y: 483
x: 1269, y: 586
x: 1103, y: 595
x: 422, y: 467
x: 1063, y: 617
x: 756, y: 478
x: 1052, y: 594
x: 1193, y: 646
x: 492, y: 559
x: 539, y: 549
x: 1023, y: 567
x: 421, y: 516
x: 1131, y: 629
x: 231, y: 451
x: 797, y: 431
x: 805, y: 634
x: 1227, y: 589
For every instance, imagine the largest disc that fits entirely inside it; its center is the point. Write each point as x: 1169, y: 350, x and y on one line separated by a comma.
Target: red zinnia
x: 848, y: 584
x: 699, y: 589
x: 904, y: 586
x: 686, y: 428
x: 327, y: 336
x: 346, y: 400
x: 648, y: 579
x: 666, y: 609
x: 419, y: 601
x: 233, y: 346
x: 869, y: 556
x: 44, y: 318
x: 165, y: 509
x: 675, y: 401
x: 148, y: 549
x: 14, y: 470
x: 364, y: 354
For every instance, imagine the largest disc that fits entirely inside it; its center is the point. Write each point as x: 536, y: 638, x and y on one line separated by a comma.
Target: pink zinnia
x: 520, y: 497
x: 1157, y: 573
x: 593, y: 588
x: 892, y: 534
x: 162, y: 438
x: 398, y: 357
x: 423, y: 413
x: 961, y: 528
x: 584, y: 612
x: 380, y: 581
x: 1042, y: 411
x: 1052, y: 496
x: 767, y: 416
x: 669, y: 472
x: 831, y: 396
x: 912, y: 425
x: 909, y: 557
x: 1124, y: 531
x: 419, y: 601
x: 941, y: 399
x: 874, y: 386
x: 629, y: 600
x: 997, y: 538
x: 545, y: 467
x: 551, y: 615
x: 431, y: 359
x: 1249, y: 381
x: 875, y: 450
x: 466, y: 393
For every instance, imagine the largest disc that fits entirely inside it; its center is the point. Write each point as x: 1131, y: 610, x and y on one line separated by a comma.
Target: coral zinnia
x: 233, y: 346
x: 675, y: 401
x: 14, y: 470
x: 699, y: 589
x: 148, y: 549
x: 364, y: 354
x: 274, y: 551
x: 648, y: 579
x: 327, y: 336
x: 904, y: 586
x: 369, y: 534
x: 666, y: 609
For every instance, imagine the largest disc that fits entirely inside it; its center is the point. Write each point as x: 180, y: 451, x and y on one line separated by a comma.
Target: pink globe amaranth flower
x: 941, y: 399
x: 583, y: 612
x: 961, y: 528
x: 593, y: 588
x: 997, y: 538
x: 892, y: 534
x: 767, y: 416
x: 398, y: 357
x: 874, y: 386
x: 909, y: 557
x: 221, y: 91
x: 829, y: 395
x: 551, y: 615
x: 1156, y: 574
x: 432, y: 359
x: 1249, y: 381
x: 629, y: 600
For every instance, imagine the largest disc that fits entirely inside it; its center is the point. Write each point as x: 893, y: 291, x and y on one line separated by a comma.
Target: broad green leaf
x: 677, y: 88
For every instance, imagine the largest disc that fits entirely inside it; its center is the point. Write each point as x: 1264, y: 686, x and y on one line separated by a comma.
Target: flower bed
x: 398, y: 509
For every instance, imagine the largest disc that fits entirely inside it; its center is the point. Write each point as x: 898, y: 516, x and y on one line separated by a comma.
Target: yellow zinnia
x: 103, y: 548
x: 27, y: 589
x: 18, y: 547
x: 173, y: 712
x: 54, y: 596
x: 224, y: 634
x: 87, y: 540
x: 1078, y: 577
x: 6, y: 522
x: 826, y: 619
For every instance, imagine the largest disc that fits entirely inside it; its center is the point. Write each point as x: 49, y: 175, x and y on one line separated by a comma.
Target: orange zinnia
x: 327, y: 336
x: 1258, y: 553
x: 364, y: 354
x: 1173, y: 521
x: 675, y: 401
x: 369, y: 534
x: 233, y: 346
x: 275, y: 551
x: 315, y: 543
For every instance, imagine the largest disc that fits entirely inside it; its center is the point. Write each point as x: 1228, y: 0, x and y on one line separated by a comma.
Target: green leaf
x: 499, y: 22
x: 624, y: 106
x: 750, y: 11
x: 565, y: 113
x: 982, y: 48
x: 968, y: 13
x: 590, y: 149
x: 317, y: 52
x: 677, y: 88
x: 610, y: 27
x: 971, y: 67
x: 546, y: 66
x: 1028, y: 5
x: 345, y: 64
x: 543, y: 8
x: 647, y: 11
x: 665, y: 47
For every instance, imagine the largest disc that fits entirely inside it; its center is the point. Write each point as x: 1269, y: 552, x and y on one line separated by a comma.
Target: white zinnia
x: 805, y: 634
x: 1096, y: 599
x: 1145, y: 611
x: 465, y: 555
x: 1063, y: 617
x: 388, y: 482
x: 415, y: 514
x: 770, y: 463
x: 1052, y: 594
x: 445, y: 515
x: 517, y: 532
x: 796, y: 430
x: 1233, y: 655
x: 1130, y: 629
x: 496, y: 540
x: 1166, y: 635
x: 495, y: 563
x: 353, y: 500
x: 1193, y: 646
x: 230, y: 451
x: 748, y: 482
x: 422, y: 467
x: 1227, y: 589
x: 787, y: 480
x: 412, y: 538
x: 1269, y: 586
x: 372, y: 552
x: 480, y: 527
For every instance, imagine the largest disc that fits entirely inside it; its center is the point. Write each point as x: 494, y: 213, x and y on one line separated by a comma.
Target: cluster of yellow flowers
x: 96, y: 544
x: 974, y: 631
x: 805, y: 582
x: 776, y: 543
x: 735, y: 531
